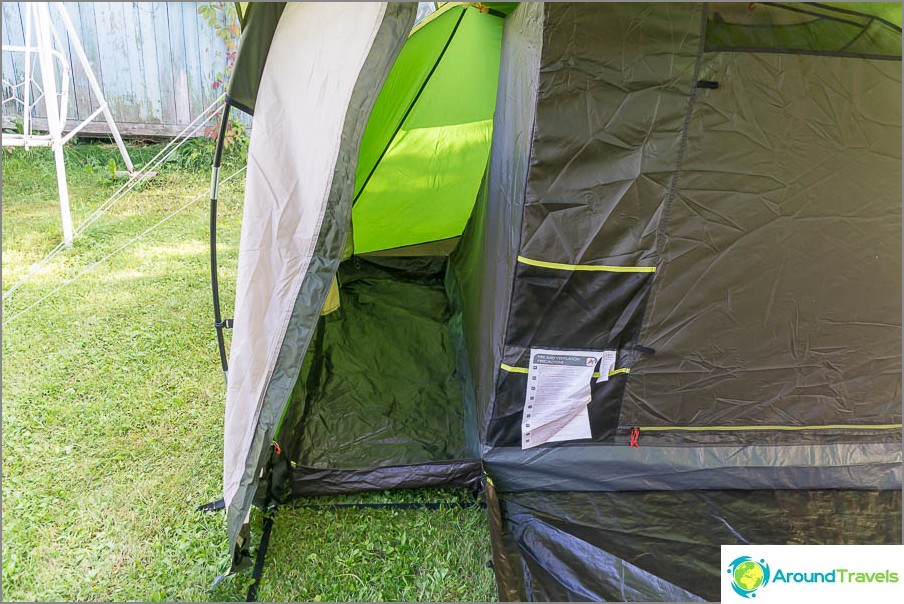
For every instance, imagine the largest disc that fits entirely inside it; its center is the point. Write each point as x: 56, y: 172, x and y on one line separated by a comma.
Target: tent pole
x: 218, y: 322
x: 506, y: 586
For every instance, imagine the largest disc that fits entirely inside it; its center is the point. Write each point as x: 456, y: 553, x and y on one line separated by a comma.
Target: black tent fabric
x: 762, y: 386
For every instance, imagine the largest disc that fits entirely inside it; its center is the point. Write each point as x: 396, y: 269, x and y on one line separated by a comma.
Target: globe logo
x: 748, y: 575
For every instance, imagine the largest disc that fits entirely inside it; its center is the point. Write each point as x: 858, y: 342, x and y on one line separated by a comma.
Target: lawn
x: 113, y: 411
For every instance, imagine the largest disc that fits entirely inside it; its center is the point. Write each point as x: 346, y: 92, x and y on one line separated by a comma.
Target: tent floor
x: 379, y: 386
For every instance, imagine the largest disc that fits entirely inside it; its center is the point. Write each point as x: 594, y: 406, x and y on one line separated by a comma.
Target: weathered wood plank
x: 212, y: 54
x: 13, y: 34
x: 164, y: 53
x: 143, y: 16
x: 192, y: 56
x: 114, y: 46
x: 10, y: 108
x: 81, y: 90
x: 72, y: 109
x: 180, y: 67
x: 89, y: 38
x: 134, y: 55
x: 126, y: 129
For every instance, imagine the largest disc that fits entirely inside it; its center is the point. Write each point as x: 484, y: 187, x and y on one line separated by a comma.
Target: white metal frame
x: 37, y: 18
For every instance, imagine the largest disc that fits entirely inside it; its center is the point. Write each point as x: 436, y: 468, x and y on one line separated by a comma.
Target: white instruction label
x: 607, y: 362
x: 558, y: 392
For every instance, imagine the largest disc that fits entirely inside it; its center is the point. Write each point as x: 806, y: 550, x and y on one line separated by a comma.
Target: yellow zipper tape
x: 587, y: 267
x: 748, y: 428
x: 596, y: 374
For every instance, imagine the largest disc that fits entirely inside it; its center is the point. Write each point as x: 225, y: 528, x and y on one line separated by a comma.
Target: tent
x: 632, y: 269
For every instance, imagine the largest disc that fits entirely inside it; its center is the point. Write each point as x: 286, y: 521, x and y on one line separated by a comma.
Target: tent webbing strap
x: 503, y: 570
x: 258, y: 571
x: 746, y: 428
x: 213, y: 506
x: 586, y: 267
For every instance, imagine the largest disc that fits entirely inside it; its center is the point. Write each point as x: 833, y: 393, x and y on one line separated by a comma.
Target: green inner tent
x: 425, y: 147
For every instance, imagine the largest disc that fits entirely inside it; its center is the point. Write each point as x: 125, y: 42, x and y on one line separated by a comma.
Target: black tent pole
x: 218, y: 322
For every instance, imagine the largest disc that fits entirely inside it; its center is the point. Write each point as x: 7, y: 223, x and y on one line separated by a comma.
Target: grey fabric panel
x: 618, y: 175
x: 614, y: 85
x: 391, y: 36
x: 831, y: 435
x: 668, y: 540
x: 769, y: 205
x: 614, y: 468
x: 470, y: 418
x: 778, y: 298
x: 485, y: 261
x: 258, y: 28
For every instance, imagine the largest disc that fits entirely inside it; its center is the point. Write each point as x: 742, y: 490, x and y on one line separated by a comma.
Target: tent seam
x: 682, y: 147
x: 491, y: 409
x: 672, y: 190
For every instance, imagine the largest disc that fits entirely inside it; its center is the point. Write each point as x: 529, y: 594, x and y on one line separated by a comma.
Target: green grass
x: 379, y: 555
x: 113, y: 411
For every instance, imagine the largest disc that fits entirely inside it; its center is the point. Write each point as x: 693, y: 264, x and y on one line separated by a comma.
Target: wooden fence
x: 156, y: 63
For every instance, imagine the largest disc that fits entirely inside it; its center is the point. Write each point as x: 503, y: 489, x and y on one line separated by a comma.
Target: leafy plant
x: 198, y: 153
x: 13, y: 125
x: 105, y: 172
x: 235, y: 139
x: 221, y: 16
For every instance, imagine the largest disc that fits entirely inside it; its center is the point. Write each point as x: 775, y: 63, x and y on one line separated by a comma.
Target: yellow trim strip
x: 748, y: 428
x: 587, y: 267
x: 596, y: 374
